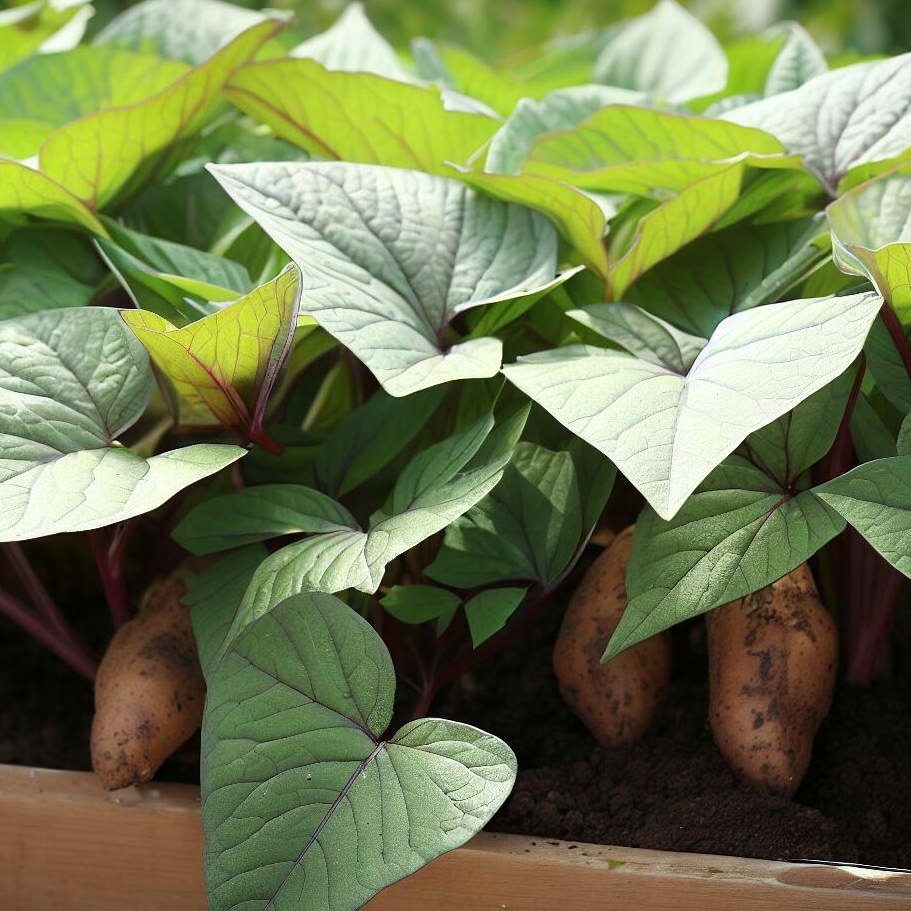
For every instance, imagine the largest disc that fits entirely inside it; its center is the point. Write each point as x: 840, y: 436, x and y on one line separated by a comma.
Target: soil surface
x: 670, y: 791
x: 673, y: 791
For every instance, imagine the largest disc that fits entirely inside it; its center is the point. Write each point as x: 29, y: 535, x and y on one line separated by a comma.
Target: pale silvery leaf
x: 390, y: 257
x: 188, y: 30
x: 560, y: 110
x: 72, y: 381
x: 642, y: 334
x: 871, y: 235
x: 855, y: 116
x: 667, y: 52
x: 666, y: 432
x: 308, y: 801
x: 353, y: 44
x: 798, y: 61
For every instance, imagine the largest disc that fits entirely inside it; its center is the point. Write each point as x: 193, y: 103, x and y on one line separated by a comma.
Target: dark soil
x: 672, y: 790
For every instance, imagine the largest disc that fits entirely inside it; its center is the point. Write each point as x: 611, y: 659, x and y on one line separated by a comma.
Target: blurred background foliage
x: 501, y: 29
x: 498, y: 29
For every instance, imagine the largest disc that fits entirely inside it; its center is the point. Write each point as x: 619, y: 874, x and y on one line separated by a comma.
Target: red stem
x: 50, y: 617
x: 109, y: 560
x: 891, y: 321
x: 65, y: 649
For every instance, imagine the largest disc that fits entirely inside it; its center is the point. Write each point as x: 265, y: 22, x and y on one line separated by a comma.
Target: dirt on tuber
x: 616, y: 700
x: 149, y: 692
x: 772, y: 665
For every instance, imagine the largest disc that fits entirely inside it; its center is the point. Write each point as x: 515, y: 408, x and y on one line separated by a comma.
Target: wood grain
x: 66, y: 845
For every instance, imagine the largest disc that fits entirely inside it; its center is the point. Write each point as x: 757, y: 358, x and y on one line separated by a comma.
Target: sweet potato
x: 772, y: 664
x: 617, y: 700
x: 149, y: 692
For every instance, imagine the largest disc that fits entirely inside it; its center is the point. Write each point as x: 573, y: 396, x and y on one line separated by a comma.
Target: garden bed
x: 670, y: 792
x: 65, y: 845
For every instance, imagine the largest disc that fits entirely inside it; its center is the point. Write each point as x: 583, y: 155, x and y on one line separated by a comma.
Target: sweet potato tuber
x: 772, y: 664
x: 617, y: 700
x: 149, y: 692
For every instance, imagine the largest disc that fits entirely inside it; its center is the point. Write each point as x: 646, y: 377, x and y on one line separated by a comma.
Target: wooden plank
x: 66, y: 845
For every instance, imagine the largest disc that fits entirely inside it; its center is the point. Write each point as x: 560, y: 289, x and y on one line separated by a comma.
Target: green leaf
x: 258, y: 514
x: 353, y: 44
x: 188, y: 30
x: 876, y: 499
x: 45, y: 269
x: 751, y: 522
x: 58, y: 88
x: 854, y: 118
x: 528, y: 527
x: 72, y: 382
x: 390, y: 257
x: 732, y: 270
x: 903, y: 442
x: 871, y: 235
x: 646, y: 336
x: 420, y: 603
x: 21, y: 138
x: 307, y: 800
x: 626, y: 149
x: 213, y: 594
x: 667, y: 52
x: 368, y: 439
x: 888, y: 368
x: 667, y: 432
x: 225, y: 365
x: 489, y: 611
x: 100, y: 157
x: 563, y: 109
x: 437, y: 486
x: 359, y: 117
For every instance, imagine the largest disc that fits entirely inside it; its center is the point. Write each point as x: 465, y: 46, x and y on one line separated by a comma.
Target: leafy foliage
x: 437, y: 304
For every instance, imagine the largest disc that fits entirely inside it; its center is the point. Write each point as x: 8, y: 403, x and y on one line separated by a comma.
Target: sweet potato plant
x: 369, y: 333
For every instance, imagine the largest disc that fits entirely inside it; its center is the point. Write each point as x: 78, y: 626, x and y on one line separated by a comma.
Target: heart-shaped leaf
x: 307, y: 800
x: 855, y: 118
x: 752, y: 521
x: 667, y: 432
x: 667, y: 52
x: 226, y: 365
x: 71, y: 382
x: 390, y: 257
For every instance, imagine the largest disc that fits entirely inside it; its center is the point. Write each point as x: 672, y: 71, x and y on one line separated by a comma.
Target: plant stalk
x: 109, y: 560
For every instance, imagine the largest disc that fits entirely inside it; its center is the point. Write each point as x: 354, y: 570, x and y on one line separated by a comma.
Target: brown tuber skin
x: 617, y: 700
x: 772, y: 665
x: 149, y: 692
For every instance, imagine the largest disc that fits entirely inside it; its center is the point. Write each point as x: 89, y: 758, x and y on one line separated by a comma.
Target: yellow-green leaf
x: 226, y: 364
x: 25, y: 190
x: 97, y: 157
x: 674, y: 223
x: 627, y: 149
x: 358, y: 117
x: 871, y: 235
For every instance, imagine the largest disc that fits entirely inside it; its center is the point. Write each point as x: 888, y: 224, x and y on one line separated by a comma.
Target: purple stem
x: 66, y: 649
x: 109, y: 560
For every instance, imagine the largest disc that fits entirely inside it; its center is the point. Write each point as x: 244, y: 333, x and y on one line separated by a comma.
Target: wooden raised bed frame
x: 66, y: 845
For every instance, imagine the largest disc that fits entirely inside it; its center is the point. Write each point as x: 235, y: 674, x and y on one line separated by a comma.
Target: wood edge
x: 44, y: 789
